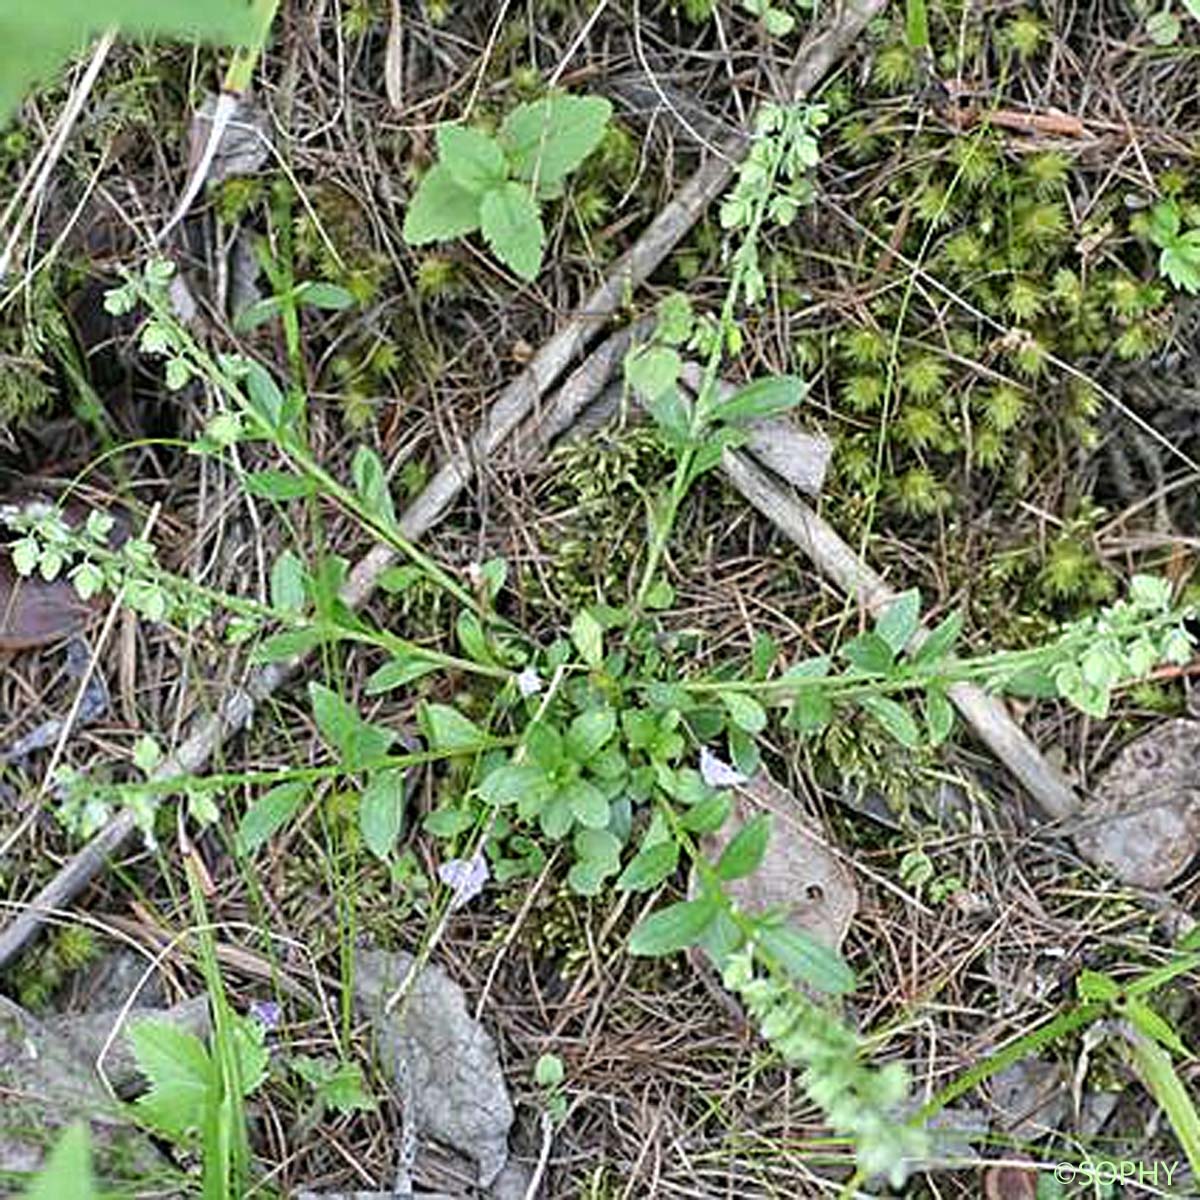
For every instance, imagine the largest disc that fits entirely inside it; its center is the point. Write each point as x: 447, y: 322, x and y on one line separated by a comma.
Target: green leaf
x: 511, y: 782
x: 359, y: 743
x: 589, y: 731
x: 1153, y: 1025
x: 474, y: 160
x: 939, y: 716
x: 183, y: 1080
x: 899, y: 620
x: 512, y: 228
x: 746, y: 849
x: 1163, y: 28
x: 811, y: 710
x: 916, y: 25
x: 599, y: 846
x: 256, y: 314
x: 279, y: 485
x: 265, y: 399
x: 329, y: 297
x: 761, y: 399
x: 548, y: 1071
x: 283, y: 646
x: 807, y: 960
x: 1181, y: 265
x: 269, y: 814
x: 68, y: 1168
x: 440, y: 210
x: 287, y: 583
x: 547, y: 139
x: 35, y: 38
x: 381, y: 811
x: 673, y: 415
x: 709, y: 814
x: 401, y: 669
x: 588, y: 635
x: 1096, y: 987
x: 447, y: 822
x: 652, y: 370
x: 673, y: 928
x: 587, y: 803
x: 649, y: 867
x: 746, y: 712
x: 895, y: 718
x: 445, y: 728
x: 869, y: 652
x: 940, y: 642
x: 371, y: 484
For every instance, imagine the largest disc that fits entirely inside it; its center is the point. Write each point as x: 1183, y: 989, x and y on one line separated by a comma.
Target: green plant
x: 1179, y: 249
x: 548, y: 1074
x: 68, y: 1168
x: 335, y: 1085
x: 496, y: 184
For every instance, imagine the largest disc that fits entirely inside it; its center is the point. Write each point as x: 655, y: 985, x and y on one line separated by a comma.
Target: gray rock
x: 440, y: 1057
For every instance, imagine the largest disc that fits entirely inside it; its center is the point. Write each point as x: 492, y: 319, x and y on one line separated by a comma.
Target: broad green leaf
x: 266, y: 401
x: 811, y: 710
x: 510, y: 782
x: 869, y: 652
x: 474, y: 160
x: 67, y: 1172
x: 816, y: 667
x: 649, y: 867
x: 1096, y: 987
x: 359, y: 743
x: 512, y: 227
x: 598, y: 845
x: 746, y: 712
x: 895, y: 718
x: 900, y: 619
x: 587, y: 803
x: 547, y: 139
x: 744, y: 853
x: 707, y: 815
x: 1163, y: 27
x: 287, y: 583
x: 652, y: 370
x: 330, y: 297
x: 36, y: 38
x: 673, y: 928
x: 398, y: 671
x: 279, y: 485
x: 445, y: 728
x: 441, y: 210
x: 586, y: 876
x: 256, y: 314
x: 588, y: 636
x: 807, y: 960
x: 548, y: 1071
x: 182, y: 1077
x: 673, y: 415
x: 280, y: 647
x: 448, y: 822
x: 939, y: 716
x: 940, y: 642
x: 761, y: 399
x: 269, y: 814
x: 381, y: 811
x: 371, y: 484
x: 589, y: 731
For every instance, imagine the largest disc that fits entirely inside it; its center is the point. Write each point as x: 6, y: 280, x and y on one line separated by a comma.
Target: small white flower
x: 466, y: 876
x: 529, y: 682
x: 716, y: 773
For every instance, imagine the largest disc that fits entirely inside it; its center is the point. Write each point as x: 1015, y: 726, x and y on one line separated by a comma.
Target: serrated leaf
x: 895, y: 718
x: 807, y: 960
x: 673, y: 928
x: 381, y: 811
x: 649, y: 867
x: 474, y: 160
x: 761, y: 399
x: 397, y: 672
x: 744, y: 853
x: 35, y: 38
x: 67, y: 1171
x: 269, y: 814
x: 440, y: 210
x: 745, y: 711
x: 360, y: 744
x: 182, y: 1077
x: 900, y: 619
x: 547, y: 139
x: 445, y: 728
x: 512, y: 227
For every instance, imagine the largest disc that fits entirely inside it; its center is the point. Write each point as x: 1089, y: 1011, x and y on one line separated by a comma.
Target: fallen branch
x: 515, y: 403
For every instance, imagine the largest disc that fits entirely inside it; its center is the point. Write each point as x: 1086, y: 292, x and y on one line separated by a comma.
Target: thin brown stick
x: 516, y: 402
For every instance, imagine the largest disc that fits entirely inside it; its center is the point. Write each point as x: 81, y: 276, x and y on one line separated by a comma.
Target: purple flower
x: 266, y: 1013
x: 529, y: 683
x: 716, y: 773
x: 466, y: 876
